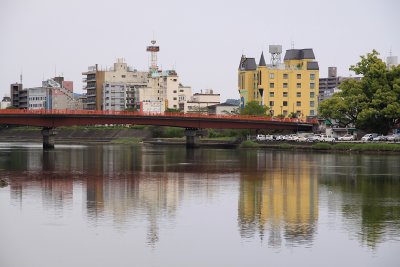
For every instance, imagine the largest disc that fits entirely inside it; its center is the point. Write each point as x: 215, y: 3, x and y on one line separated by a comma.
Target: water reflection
x: 279, y: 194
x: 367, y: 193
x: 281, y: 202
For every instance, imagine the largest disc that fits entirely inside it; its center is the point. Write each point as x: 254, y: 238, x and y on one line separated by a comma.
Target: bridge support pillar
x: 192, y: 136
x: 49, y: 139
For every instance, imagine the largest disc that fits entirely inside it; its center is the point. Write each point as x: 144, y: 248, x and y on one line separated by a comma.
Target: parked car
x: 269, y: 138
x: 369, y: 137
x: 325, y: 138
x: 347, y: 137
x: 393, y: 137
x: 260, y: 137
x: 380, y: 138
x: 314, y: 138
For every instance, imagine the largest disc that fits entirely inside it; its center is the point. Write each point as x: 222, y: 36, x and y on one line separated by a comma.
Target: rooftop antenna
x: 55, y: 70
x: 153, y: 49
x: 20, y: 77
x: 292, y: 44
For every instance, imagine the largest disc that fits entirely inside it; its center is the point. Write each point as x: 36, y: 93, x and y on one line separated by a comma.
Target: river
x: 144, y: 205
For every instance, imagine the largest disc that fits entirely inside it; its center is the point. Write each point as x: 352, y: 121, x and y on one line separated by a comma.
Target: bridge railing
x: 152, y: 114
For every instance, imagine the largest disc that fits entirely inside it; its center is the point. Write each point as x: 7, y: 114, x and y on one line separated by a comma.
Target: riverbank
x: 145, y: 135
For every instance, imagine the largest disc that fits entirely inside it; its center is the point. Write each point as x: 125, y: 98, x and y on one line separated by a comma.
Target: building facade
x: 5, y: 103
x: 96, y: 79
x: 163, y: 92
x: 285, y: 88
x: 330, y: 85
x: 200, y: 102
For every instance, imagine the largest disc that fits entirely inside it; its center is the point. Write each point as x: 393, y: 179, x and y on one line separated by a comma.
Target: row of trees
x: 371, y: 103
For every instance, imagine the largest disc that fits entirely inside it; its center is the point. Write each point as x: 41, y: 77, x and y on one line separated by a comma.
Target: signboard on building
x: 150, y: 106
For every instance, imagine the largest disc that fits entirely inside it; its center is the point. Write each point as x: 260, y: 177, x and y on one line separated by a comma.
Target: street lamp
x: 281, y: 111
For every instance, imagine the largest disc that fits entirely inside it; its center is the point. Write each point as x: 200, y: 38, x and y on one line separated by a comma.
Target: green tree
x: 371, y: 103
x: 253, y: 108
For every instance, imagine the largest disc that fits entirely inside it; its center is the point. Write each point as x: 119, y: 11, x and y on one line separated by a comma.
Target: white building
x: 5, y: 103
x: 200, y: 102
x: 223, y: 109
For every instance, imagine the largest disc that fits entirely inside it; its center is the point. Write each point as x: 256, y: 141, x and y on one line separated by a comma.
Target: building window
x: 312, y: 94
x: 271, y: 75
x: 298, y: 85
x: 284, y: 112
x: 271, y: 94
x: 123, y: 76
x: 271, y: 103
x: 299, y: 76
x: 312, y: 85
x: 174, y: 91
x: 285, y: 103
x: 298, y: 94
x: 298, y: 104
x: 285, y: 76
x: 285, y: 94
x: 175, y: 98
x: 312, y: 76
x: 311, y: 103
x: 285, y: 85
x: 271, y: 85
x: 312, y: 112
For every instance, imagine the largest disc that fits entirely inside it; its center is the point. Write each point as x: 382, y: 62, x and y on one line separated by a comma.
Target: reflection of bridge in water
x: 50, y: 119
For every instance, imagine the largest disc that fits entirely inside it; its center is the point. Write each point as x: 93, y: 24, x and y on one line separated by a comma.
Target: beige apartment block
x: 97, y: 77
x: 164, y: 91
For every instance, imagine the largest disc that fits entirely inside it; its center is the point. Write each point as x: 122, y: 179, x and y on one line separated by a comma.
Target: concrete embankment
x: 72, y: 135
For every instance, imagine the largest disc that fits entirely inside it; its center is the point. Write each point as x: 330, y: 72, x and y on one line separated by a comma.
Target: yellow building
x: 288, y: 87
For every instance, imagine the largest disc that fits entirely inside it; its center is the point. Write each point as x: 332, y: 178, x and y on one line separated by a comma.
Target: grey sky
x: 203, y: 40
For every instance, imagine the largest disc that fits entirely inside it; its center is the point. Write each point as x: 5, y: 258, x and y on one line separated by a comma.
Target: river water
x: 125, y: 205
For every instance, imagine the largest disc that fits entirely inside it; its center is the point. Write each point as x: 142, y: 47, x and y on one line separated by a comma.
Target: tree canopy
x: 371, y: 103
x: 253, y: 108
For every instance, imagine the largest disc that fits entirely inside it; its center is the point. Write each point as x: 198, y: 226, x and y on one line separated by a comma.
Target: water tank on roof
x: 275, y: 49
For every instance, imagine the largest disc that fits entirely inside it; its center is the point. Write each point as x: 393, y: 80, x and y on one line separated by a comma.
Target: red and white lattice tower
x: 153, y: 49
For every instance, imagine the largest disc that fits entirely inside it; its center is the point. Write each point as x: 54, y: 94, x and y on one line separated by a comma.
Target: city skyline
x: 203, y: 42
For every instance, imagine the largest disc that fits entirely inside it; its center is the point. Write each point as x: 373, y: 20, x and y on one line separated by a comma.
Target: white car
x: 325, y: 138
x: 260, y: 137
x: 347, y: 137
x: 368, y: 137
x: 380, y: 138
x: 314, y: 138
x: 393, y: 137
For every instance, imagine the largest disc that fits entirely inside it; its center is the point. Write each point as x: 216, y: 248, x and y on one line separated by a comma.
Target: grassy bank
x: 349, y: 147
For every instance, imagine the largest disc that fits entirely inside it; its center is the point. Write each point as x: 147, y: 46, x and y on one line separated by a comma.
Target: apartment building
x: 97, y: 79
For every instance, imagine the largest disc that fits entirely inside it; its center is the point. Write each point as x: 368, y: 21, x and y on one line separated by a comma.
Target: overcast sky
x: 202, y: 40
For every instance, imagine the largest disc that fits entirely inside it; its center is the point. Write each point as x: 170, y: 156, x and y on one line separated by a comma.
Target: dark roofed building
x: 299, y: 54
x: 247, y: 63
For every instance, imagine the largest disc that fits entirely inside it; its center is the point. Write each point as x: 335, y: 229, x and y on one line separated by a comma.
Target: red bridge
x: 50, y: 119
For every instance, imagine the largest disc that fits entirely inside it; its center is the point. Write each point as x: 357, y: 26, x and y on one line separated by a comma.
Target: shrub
x: 322, y: 146
x: 285, y: 146
x: 248, y: 144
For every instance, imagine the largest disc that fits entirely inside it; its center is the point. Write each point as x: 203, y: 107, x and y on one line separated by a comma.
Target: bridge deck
x: 57, y: 118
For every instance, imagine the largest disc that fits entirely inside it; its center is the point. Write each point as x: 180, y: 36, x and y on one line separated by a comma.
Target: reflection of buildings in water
x: 282, y: 201
x: 56, y: 190
x: 124, y: 197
